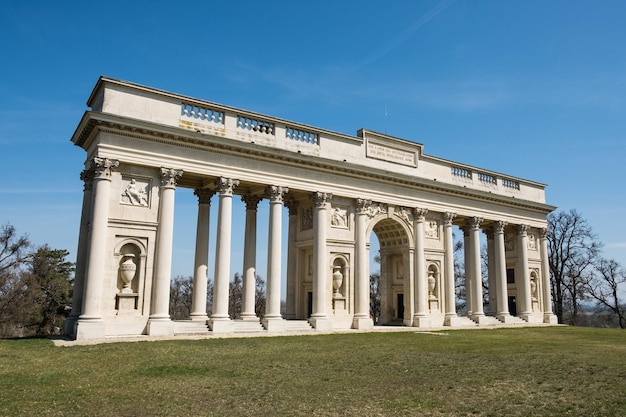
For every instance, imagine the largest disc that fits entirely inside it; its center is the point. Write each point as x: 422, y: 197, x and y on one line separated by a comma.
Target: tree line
x: 36, y: 282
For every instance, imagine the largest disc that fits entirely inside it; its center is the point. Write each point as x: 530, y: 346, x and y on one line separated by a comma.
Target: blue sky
x: 533, y: 89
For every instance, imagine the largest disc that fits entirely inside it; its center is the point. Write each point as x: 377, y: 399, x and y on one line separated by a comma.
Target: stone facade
x: 143, y: 144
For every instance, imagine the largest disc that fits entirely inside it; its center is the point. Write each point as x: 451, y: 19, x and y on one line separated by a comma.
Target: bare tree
x: 572, y: 250
x: 235, y: 296
x: 181, y: 293
x: 260, y: 297
x: 604, y: 287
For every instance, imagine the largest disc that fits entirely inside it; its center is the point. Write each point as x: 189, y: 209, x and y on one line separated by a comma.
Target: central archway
x: 395, y: 276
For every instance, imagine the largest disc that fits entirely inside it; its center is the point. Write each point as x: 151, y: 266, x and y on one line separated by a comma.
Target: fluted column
x: 249, y: 258
x: 220, y: 321
x: 362, y: 319
x: 292, y: 207
x: 90, y: 324
x: 160, y: 323
x: 474, y: 252
x: 500, y: 271
x: 448, y: 244
x: 201, y: 264
x: 522, y: 275
x: 319, y: 319
x: 81, y: 254
x: 548, y: 316
x: 272, y: 320
x: 420, y: 319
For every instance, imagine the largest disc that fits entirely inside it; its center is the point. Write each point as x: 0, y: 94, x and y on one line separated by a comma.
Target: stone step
x: 297, y: 326
x: 486, y: 320
x: 245, y: 326
x: 190, y: 327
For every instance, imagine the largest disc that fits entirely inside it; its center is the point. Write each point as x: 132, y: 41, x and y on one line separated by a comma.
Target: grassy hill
x: 504, y: 372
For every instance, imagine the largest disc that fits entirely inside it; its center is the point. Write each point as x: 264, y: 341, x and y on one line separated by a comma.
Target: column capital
x: 320, y: 198
x: 420, y: 214
x: 448, y: 217
x: 169, y: 176
x: 543, y: 233
x: 362, y: 205
x: 522, y: 229
x: 252, y: 201
x: 474, y: 222
x: 498, y: 226
x: 276, y: 193
x: 226, y: 186
x: 204, y: 195
x: 292, y: 206
x: 103, y: 167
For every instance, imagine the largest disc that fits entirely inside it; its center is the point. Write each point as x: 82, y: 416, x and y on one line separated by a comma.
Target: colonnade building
x: 144, y: 144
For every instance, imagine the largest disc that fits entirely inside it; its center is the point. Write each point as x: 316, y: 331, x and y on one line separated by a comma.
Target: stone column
x: 319, y: 319
x: 362, y: 319
x: 160, y: 323
x: 272, y: 320
x: 81, y: 254
x: 220, y: 321
x: 290, y: 313
x: 548, y: 316
x: 249, y: 259
x: 474, y: 251
x: 90, y: 324
x: 420, y: 319
x: 491, y: 272
x: 468, y: 270
x: 201, y: 264
x: 451, y: 317
x: 522, y: 273
x: 499, y: 254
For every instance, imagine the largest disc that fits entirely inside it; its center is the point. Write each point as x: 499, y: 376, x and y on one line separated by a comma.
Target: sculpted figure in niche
x: 134, y: 195
x: 339, y: 218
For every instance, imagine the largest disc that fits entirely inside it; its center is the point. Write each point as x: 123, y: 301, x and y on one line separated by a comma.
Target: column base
x: 160, y: 327
x: 221, y: 325
x: 274, y: 324
x: 199, y: 317
x: 88, y: 329
x: 550, y: 318
x: 362, y: 323
x: 321, y: 323
x: 420, y: 321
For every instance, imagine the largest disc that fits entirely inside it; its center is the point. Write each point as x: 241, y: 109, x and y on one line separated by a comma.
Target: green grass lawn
x: 506, y: 372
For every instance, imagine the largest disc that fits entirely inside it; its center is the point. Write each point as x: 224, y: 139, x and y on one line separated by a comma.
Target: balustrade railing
x: 301, y: 136
x: 462, y: 173
x: 255, y: 125
x: 202, y: 113
x: 507, y: 183
x: 486, y: 178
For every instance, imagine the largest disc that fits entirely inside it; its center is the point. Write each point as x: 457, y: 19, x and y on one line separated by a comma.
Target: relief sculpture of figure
x: 135, y: 196
x: 338, y: 218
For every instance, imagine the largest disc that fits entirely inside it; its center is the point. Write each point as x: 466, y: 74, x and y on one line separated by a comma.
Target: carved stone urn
x: 337, y: 280
x: 127, y: 271
x: 431, y: 285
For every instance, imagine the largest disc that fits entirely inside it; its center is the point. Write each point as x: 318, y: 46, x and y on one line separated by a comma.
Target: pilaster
x: 249, y: 258
x: 548, y: 316
x: 292, y: 207
x: 523, y: 273
x: 420, y: 319
x: 451, y: 315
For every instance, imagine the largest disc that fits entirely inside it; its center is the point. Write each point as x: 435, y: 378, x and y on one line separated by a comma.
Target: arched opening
x: 390, y: 295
